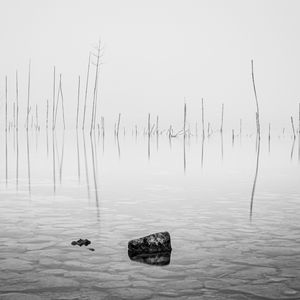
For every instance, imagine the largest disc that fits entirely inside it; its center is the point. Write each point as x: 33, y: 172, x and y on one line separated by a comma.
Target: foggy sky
x: 156, y: 54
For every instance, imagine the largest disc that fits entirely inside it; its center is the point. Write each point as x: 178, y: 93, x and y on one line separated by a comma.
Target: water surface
x: 56, y: 188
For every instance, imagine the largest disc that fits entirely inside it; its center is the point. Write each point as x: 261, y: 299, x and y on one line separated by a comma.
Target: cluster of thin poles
x: 58, y: 100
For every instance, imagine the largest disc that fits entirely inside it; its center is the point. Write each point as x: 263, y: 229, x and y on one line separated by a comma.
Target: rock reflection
x: 156, y: 259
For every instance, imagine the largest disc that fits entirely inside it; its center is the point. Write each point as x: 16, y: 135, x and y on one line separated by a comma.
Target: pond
x: 234, y: 235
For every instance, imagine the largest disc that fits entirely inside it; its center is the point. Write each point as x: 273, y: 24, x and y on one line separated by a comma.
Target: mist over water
x: 229, y: 240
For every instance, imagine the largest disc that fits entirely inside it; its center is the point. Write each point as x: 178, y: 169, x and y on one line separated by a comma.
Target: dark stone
x: 91, y: 249
x: 153, y: 243
x: 81, y: 242
x: 157, y: 259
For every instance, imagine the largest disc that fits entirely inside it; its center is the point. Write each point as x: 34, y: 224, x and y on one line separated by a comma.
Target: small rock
x: 153, y: 243
x: 91, y: 249
x: 81, y: 242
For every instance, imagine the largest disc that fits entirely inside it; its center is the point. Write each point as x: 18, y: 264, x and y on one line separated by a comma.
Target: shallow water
x: 58, y: 188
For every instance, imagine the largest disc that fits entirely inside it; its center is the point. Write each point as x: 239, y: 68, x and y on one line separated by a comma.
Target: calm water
x: 56, y: 189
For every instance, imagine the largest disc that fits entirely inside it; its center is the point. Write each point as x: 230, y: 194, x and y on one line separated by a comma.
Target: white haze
x: 156, y: 54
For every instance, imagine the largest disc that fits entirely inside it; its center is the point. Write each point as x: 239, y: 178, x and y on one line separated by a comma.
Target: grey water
x: 234, y: 235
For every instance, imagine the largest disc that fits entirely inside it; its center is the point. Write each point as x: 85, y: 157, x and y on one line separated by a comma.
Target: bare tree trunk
x: 95, y: 90
x: 299, y: 120
x: 184, y: 120
x: 86, y: 91
x: 118, y: 126
x: 203, y: 134
x: 255, y: 94
x: 222, y: 118
x: 78, y: 97
x: 102, y: 124
x: 28, y: 95
x: 53, y: 100
x: 5, y: 103
x: 62, y: 104
x: 36, y: 117
x: 57, y: 99
x: 149, y: 125
x: 293, y: 127
x: 47, y: 114
x: 17, y: 101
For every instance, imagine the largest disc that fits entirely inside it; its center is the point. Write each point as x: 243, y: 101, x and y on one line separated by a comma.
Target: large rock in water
x: 153, y: 243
